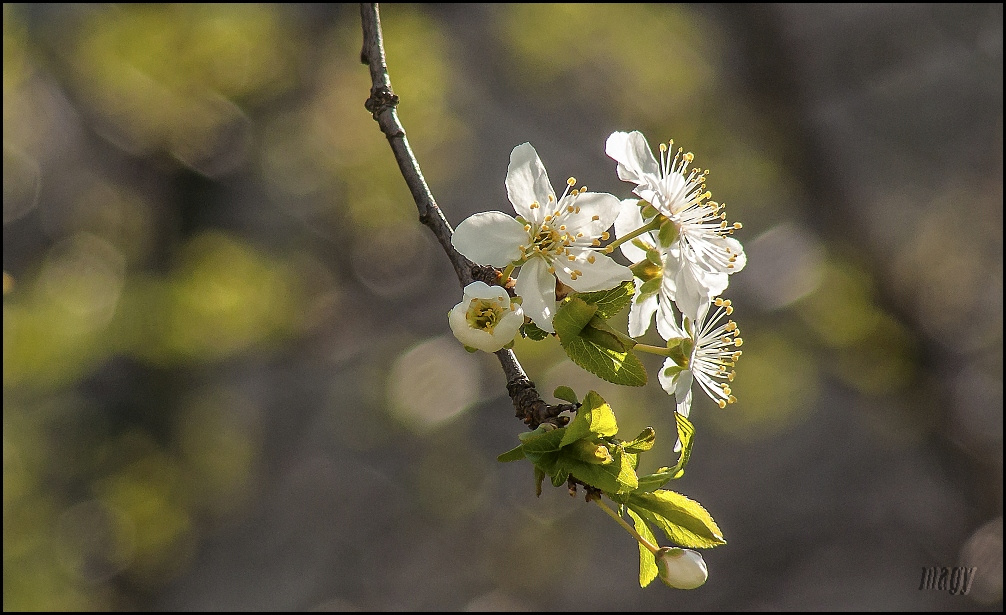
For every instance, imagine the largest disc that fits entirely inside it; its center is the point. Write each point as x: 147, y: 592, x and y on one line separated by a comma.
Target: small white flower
x: 486, y: 318
x: 681, y: 568
x: 550, y: 238
x: 708, y: 353
x: 702, y: 254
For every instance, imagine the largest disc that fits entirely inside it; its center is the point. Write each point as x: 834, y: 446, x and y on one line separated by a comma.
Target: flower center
x: 548, y: 241
x: 484, y: 314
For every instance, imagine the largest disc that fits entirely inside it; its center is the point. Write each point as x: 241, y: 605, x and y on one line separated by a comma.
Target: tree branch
x: 382, y: 105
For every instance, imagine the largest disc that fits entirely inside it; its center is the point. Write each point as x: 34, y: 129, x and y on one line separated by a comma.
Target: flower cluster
x: 559, y: 250
x: 682, y: 244
x: 550, y: 238
x: 677, y: 239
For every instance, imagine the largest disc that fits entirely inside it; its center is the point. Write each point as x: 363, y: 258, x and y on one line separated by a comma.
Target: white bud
x: 681, y: 568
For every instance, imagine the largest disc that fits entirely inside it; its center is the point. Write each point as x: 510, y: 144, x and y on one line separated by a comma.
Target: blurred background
x: 228, y: 379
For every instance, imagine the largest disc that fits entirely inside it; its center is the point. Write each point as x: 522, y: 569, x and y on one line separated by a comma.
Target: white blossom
x: 551, y: 238
x: 701, y: 254
x: 486, y: 318
x: 707, y: 354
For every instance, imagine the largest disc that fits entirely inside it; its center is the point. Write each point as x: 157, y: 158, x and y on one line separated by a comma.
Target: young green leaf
x: 601, y: 333
x: 611, y: 478
x: 647, y: 563
x: 619, y: 367
x: 533, y: 332
x: 684, y: 521
x: 686, y: 433
x: 652, y: 482
x: 610, y: 302
x: 561, y: 476
x: 590, y: 451
x: 594, y: 417
x: 661, y: 477
x: 539, y: 477
x: 643, y: 442
x: 543, y: 443
x: 566, y: 394
x: 515, y: 454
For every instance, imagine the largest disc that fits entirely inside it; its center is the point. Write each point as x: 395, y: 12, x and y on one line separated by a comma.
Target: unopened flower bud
x: 681, y: 568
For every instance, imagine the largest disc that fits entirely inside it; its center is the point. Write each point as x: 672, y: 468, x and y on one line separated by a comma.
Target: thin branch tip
x: 382, y: 104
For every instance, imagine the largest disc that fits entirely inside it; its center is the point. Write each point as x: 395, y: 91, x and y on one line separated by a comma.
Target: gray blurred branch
x: 382, y: 104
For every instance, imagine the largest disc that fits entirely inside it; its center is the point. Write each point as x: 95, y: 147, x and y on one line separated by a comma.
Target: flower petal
x: 735, y: 248
x: 466, y: 334
x: 507, y: 327
x: 685, y: 401
x: 679, y: 385
x: 668, y: 383
x: 536, y: 286
x: 667, y: 321
x: 696, y: 289
x: 527, y: 183
x: 490, y: 238
x: 601, y: 274
x: 690, y: 287
x: 480, y: 290
x: 588, y: 206
x: 630, y: 218
x: 641, y: 313
x: 634, y: 156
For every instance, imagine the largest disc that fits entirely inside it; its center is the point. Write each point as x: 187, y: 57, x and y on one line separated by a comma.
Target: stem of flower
x: 506, y: 273
x: 652, y: 226
x: 660, y: 350
x: 628, y: 528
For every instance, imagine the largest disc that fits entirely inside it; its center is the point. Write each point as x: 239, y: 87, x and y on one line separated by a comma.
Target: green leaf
x: 652, y: 482
x: 686, y: 433
x: 542, y: 429
x: 533, y: 332
x: 515, y: 454
x: 560, y: 477
x: 610, y: 302
x: 594, y: 417
x: 542, y: 443
x: 617, y: 366
x: 566, y: 394
x: 684, y: 521
x: 572, y: 316
x: 601, y: 333
x: 642, y: 442
x: 661, y: 477
x: 647, y: 562
x: 612, y: 478
x: 590, y: 451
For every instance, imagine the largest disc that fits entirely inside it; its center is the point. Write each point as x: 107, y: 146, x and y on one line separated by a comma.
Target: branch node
x: 381, y: 99
x: 530, y: 407
x: 488, y: 274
